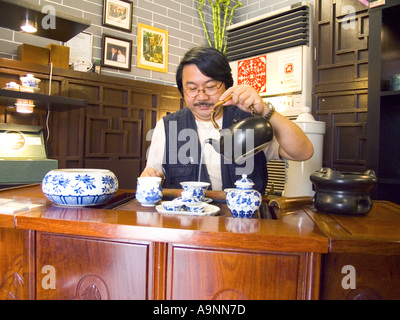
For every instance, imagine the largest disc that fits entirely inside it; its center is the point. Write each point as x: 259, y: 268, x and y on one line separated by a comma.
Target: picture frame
x: 152, y: 48
x: 117, y: 53
x: 117, y: 14
x: 80, y: 47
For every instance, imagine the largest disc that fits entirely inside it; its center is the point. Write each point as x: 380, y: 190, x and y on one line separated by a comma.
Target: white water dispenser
x: 297, y: 180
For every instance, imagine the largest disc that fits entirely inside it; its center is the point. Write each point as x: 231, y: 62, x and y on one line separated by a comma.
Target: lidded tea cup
x: 243, y: 201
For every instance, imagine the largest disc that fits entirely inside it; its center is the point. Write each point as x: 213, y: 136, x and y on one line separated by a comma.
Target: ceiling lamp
x: 24, y: 106
x: 29, y: 26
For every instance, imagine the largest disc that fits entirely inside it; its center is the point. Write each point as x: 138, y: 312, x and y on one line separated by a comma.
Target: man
x: 204, y: 78
x: 113, y: 54
x: 153, y: 52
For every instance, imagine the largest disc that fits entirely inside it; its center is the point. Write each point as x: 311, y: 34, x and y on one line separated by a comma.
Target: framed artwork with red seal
x: 253, y: 72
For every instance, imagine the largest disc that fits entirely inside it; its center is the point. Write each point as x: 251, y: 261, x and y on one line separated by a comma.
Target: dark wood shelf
x: 389, y: 181
x: 390, y: 93
x: 13, y: 12
x: 383, y: 103
x: 41, y: 101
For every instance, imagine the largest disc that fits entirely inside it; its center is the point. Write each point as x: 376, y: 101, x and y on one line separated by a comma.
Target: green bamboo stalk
x: 203, y: 22
x: 214, y: 18
x: 238, y: 4
x: 222, y: 17
x: 218, y: 23
x: 226, y: 13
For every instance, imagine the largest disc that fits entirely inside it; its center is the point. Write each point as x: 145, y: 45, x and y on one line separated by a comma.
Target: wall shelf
x: 58, y: 103
x: 13, y: 12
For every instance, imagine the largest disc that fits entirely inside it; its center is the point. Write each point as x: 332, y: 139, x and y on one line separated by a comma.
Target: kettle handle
x: 219, y: 104
x: 216, y: 107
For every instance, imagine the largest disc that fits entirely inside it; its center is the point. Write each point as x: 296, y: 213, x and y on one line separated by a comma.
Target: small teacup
x: 196, y: 208
x: 149, y: 191
x: 12, y: 85
x: 171, y: 205
x: 197, y: 188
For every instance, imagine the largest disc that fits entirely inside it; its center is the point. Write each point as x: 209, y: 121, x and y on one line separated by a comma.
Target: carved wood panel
x: 196, y: 273
x: 93, y: 269
x: 16, y: 267
x: 340, y: 76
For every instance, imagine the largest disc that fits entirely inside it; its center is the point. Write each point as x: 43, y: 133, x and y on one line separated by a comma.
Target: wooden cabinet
x: 92, y: 269
x: 363, y: 262
x: 133, y: 252
x: 340, y: 77
x: 204, y: 273
x: 376, y: 276
x: 383, y: 103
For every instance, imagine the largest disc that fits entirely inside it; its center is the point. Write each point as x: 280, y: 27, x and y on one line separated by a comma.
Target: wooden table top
x: 298, y: 228
x: 378, y: 232
x: 132, y: 221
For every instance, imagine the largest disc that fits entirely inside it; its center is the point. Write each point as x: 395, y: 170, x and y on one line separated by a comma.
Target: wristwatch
x: 270, y: 112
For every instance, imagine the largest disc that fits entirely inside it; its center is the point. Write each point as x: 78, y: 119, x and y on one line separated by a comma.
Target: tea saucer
x: 210, y: 210
x: 207, y: 200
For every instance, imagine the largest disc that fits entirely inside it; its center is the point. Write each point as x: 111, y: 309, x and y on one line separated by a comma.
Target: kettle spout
x: 220, y: 147
x: 215, y: 144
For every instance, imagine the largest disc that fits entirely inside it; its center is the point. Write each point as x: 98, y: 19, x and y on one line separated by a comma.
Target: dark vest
x: 183, y: 152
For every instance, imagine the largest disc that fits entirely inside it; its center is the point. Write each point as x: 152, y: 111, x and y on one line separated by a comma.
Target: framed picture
x: 117, y: 14
x: 117, y: 53
x: 152, y: 48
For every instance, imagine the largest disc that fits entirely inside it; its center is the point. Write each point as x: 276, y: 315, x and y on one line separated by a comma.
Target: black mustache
x: 203, y: 104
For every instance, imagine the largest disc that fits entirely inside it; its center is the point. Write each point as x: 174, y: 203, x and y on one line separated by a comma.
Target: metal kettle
x: 244, y: 138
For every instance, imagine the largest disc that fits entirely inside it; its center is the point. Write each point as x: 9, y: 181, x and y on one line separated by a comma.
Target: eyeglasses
x: 210, y: 91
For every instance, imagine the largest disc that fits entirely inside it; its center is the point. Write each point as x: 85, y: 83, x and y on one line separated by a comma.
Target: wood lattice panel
x: 341, y: 30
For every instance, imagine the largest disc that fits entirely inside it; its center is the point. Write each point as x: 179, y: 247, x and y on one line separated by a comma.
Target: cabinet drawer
x: 81, y: 268
x: 197, y: 273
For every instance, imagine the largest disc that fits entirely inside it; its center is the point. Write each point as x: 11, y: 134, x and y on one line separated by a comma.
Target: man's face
x: 201, y: 105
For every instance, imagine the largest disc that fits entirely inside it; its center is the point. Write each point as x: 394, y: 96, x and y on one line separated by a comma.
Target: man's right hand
x: 150, y: 172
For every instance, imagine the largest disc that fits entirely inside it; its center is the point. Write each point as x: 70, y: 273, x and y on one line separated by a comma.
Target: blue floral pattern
x: 243, y: 202
x: 198, y: 192
x: 79, y: 189
x: 148, y: 195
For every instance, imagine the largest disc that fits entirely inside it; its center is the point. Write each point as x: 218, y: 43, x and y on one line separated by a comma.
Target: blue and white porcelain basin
x: 79, y: 187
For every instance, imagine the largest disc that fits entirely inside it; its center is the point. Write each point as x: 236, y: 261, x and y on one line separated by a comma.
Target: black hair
x: 211, y: 62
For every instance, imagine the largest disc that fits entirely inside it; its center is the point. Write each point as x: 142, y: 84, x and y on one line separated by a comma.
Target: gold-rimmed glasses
x: 209, y: 90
